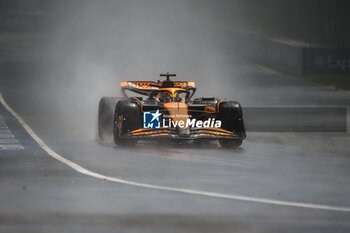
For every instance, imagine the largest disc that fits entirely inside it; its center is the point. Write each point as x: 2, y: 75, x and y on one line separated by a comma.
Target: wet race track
x: 275, y: 182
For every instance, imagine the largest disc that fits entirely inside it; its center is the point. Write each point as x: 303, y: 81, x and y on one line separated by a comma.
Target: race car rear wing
x: 147, y: 87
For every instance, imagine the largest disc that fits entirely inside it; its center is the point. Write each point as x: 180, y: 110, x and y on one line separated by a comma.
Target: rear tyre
x: 232, y: 120
x: 105, y: 117
x: 127, y: 118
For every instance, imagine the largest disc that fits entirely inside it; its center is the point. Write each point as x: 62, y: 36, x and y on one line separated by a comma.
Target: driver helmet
x: 165, y: 97
x: 177, y: 98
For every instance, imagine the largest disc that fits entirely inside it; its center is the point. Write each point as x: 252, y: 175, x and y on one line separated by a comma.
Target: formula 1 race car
x: 168, y: 112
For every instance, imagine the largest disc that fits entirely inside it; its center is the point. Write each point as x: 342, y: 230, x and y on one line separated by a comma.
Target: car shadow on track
x: 173, y: 148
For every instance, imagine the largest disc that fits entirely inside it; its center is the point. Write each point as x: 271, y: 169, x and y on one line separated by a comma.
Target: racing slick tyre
x: 232, y: 120
x: 105, y: 117
x: 127, y: 118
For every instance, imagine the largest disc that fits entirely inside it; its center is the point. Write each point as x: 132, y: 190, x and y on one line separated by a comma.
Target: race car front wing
x: 183, y: 133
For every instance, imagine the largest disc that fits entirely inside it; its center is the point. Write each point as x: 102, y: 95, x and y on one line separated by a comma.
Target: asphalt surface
x: 41, y: 194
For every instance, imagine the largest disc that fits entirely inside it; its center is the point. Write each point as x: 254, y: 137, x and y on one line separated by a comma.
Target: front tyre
x: 122, y: 142
x: 232, y: 120
x: 127, y: 118
x: 105, y: 117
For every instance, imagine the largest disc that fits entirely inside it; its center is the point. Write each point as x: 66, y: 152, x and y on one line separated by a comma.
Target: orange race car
x: 168, y: 112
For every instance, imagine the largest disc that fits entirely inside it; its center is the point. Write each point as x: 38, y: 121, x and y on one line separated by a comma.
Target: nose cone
x: 177, y: 111
x: 183, y: 132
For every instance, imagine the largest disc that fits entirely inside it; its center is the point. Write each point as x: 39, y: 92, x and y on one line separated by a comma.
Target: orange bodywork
x: 209, y: 132
x: 185, y: 84
x: 209, y: 109
x: 218, y: 103
x: 174, y: 102
x: 172, y: 90
x: 147, y: 87
x: 178, y: 111
x: 139, y: 84
x: 148, y: 84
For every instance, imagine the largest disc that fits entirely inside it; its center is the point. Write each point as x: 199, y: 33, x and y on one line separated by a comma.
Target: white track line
x: 87, y: 172
x: 11, y: 147
x: 9, y: 141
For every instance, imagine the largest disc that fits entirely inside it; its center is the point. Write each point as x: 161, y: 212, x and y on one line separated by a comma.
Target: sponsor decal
x: 151, y: 120
x: 193, y: 123
x: 333, y: 62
